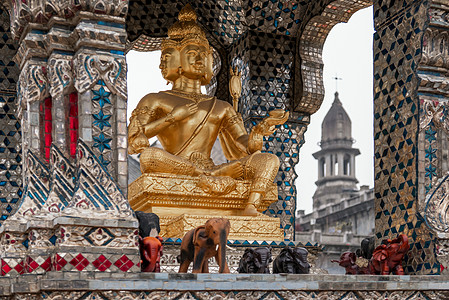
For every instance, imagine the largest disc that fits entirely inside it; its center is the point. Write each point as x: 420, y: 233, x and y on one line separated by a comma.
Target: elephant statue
x: 348, y: 260
x: 204, y: 242
x: 255, y: 260
x: 388, y: 256
x: 150, y: 253
x: 385, y: 259
x: 148, y: 224
x: 292, y: 260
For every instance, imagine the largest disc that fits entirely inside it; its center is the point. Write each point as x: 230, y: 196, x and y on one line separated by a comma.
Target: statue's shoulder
x: 224, y: 105
x: 152, y: 100
x: 151, y: 97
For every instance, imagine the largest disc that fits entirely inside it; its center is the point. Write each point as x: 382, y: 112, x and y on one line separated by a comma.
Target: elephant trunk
x: 262, y: 263
x: 289, y: 268
x: 222, y: 253
x: 153, y: 260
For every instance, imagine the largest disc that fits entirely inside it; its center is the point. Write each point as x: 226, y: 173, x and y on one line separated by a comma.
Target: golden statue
x: 187, y: 122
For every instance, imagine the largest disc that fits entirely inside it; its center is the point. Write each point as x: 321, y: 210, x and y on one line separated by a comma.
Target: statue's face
x: 196, y: 63
x: 170, y: 64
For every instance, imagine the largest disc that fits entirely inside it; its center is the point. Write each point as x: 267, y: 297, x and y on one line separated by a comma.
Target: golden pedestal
x: 261, y: 228
x: 183, y: 203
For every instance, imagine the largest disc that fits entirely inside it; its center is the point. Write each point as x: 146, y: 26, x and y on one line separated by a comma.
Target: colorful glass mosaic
x: 396, y: 108
x: 10, y: 129
x: 73, y: 123
x: 102, y: 110
x: 46, y: 127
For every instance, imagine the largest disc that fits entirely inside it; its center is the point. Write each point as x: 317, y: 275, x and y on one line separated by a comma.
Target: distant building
x: 342, y: 214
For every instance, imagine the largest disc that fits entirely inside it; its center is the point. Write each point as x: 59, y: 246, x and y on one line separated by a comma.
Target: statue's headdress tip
x: 187, y: 14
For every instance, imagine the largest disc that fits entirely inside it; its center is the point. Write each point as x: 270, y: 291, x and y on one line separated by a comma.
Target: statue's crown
x: 185, y: 30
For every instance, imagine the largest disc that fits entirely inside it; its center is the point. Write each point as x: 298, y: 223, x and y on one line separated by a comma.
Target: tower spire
x: 336, y: 78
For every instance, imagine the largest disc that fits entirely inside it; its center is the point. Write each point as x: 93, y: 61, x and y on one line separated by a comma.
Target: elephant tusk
x: 216, y: 247
x: 230, y: 248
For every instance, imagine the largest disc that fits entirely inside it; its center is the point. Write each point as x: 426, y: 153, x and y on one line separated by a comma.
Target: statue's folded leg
x: 156, y: 160
x: 262, y: 168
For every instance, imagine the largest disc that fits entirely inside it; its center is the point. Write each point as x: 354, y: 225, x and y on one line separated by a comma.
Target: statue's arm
x: 254, y: 141
x: 266, y: 127
x: 151, y: 117
x: 233, y: 125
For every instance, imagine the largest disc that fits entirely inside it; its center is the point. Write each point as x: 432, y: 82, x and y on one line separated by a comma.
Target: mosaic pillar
x: 433, y: 93
x: 398, y: 47
x: 10, y: 130
x: 74, y: 215
x: 267, y: 65
x: 101, y: 83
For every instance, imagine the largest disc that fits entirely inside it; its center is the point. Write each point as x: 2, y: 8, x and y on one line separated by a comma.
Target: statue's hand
x: 137, y: 139
x: 181, y: 112
x: 264, y: 128
x: 140, y: 143
x: 276, y: 117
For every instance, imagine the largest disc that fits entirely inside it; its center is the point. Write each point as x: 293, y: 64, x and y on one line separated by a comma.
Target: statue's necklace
x: 197, y: 98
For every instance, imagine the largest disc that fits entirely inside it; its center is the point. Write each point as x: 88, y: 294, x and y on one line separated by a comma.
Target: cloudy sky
x: 347, y: 54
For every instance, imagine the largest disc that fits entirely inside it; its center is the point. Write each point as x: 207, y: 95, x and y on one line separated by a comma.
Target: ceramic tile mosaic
x: 10, y: 129
x: 396, y: 57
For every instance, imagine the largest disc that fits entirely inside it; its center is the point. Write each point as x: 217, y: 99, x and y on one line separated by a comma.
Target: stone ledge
x: 64, y: 281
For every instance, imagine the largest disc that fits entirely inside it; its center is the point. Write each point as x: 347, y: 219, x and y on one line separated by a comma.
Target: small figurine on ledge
x: 255, y: 260
x: 150, y: 253
x: 385, y: 259
x: 292, y: 260
x: 204, y: 242
x: 388, y: 256
x: 150, y: 243
x: 353, y: 265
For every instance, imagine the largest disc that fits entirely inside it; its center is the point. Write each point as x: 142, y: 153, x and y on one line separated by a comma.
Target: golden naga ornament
x: 235, y: 87
x: 181, y: 177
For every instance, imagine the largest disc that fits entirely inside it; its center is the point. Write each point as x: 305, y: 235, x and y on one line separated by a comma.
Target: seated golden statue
x: 187, y: 123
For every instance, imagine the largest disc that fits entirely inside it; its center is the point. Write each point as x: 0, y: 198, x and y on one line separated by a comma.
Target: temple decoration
x: 182, y: 176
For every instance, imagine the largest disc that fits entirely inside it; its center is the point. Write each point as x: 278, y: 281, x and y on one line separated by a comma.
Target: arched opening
x: 335, y: 165
x: 347, y: 165
x: 322, y: 168
x: 347, y: 53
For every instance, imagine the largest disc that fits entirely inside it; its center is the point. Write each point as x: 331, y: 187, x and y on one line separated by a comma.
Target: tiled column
x: 398, y: 46
x: 74, y: 215
x: 433, y: 135
x: 267, y: 64
x: 96, y: 230
x: 101, y: 84
x: 10, y: 130
x: 32, y: 91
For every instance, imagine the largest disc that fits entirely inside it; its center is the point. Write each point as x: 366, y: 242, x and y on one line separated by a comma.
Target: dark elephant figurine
x: 348, y: 260
x: 150, y: 253
x: 388, y: 256
x: 367, y: 246
x: 204, y: 242
x: 148, y: 224
x: 292, y: 260
x: 255, y: 260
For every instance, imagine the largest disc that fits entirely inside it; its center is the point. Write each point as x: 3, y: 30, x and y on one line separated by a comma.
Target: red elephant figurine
x: 150, y: 253
x: 348, y: 260
x: 388, y: 256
